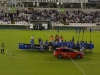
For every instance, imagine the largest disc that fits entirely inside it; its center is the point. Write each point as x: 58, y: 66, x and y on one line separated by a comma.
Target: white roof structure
x: 63, y: 1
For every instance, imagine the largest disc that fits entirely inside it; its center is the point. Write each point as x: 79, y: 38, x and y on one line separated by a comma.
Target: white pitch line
x: 71, y: 59
x: 21, y: 58
x: 46, y: 33
x: 14, y: 55
x: 78, y: 66
x: 8, y: 49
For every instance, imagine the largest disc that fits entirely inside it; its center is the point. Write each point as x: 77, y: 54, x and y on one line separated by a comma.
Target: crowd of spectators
x: 76, y: 16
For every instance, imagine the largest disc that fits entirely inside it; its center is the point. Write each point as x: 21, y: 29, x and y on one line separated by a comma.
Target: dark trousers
x: 32, y: 47
x: 54, y: 47
x: 2, y: 50
x: 58, y: 46
x: 46, y: 48
x: 78, y: 48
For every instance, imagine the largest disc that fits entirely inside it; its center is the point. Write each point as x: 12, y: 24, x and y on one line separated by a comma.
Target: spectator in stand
x: 76, y: 16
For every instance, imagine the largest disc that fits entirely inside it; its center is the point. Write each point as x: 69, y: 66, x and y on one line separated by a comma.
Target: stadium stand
x: 76, y: 16
x: 73, y: 13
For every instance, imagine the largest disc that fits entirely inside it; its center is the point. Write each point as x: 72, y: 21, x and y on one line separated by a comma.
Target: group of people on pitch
x: 57, y: 41
x: 84, y: 46
x: 2, y: 48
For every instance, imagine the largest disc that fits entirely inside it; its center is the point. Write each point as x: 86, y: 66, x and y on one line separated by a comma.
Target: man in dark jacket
x: 50, y: 46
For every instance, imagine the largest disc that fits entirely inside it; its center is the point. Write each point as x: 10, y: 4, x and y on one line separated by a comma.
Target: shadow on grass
x: 86, y: 55
x: 35, y: 51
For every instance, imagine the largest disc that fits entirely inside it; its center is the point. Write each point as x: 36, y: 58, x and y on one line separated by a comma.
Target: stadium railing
x: 82, y: 24
x: 74, y: 24
x: 15, y: 22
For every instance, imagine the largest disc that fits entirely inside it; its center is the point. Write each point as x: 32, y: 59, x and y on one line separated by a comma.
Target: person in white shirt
x: 32, y: 37
x: 60, y: 39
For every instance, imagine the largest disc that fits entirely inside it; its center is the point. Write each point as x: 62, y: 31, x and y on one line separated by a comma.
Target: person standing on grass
x: 58, y: 44
x: 62, y: 43
x: 32, y: 37
x: 32, y: 44
x: 56, y: 37
x: 65, y: 43
x: 71, y: 45
x: 54, y: 44
x: 78, y: 46
x: 41, y: 45
x: 39, y: 40
x: 91, y: 46
x: 50, y: 46
x: 2, y: 48
x: 51, y: 38
x: 86, y: 46
x: 46, y: 45
x: 83, y: 45
x: 61, y: 37
x: 81, y: 50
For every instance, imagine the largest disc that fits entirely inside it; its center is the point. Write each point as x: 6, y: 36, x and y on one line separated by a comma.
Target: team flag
x: 90, y: 30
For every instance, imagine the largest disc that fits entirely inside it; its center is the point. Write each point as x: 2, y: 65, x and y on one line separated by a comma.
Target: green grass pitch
x: 24, y: 62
